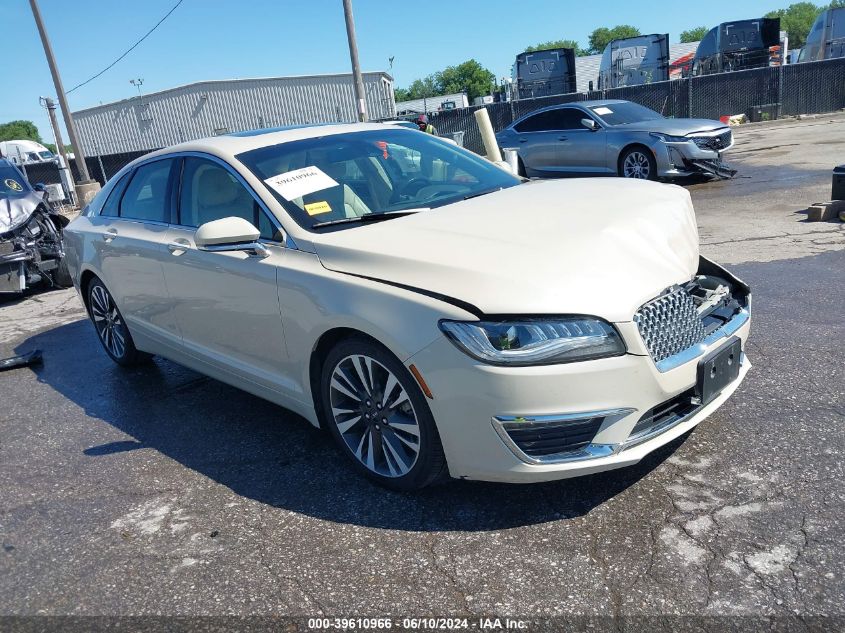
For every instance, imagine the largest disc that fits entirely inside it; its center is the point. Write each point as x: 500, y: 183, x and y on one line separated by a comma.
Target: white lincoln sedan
x: 438, y: 315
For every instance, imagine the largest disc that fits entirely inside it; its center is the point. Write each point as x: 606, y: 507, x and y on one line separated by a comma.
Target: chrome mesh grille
x: 669, y: 324
x: 714, y: 143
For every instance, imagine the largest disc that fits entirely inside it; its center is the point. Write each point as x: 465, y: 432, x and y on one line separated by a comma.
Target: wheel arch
x: 325, y: 343
x: 630, y: 146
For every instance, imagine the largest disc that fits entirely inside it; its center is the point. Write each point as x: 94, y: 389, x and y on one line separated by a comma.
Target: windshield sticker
x: 601, y: 110
x: 300, y: 182
x: 316, y: 208
x: 14, y: 185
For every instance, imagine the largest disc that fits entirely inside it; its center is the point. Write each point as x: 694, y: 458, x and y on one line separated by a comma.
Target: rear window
x: 146, y: 197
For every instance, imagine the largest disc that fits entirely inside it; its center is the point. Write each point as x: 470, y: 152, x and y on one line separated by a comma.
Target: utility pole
x: 48, y: 103
x: 87, y: 187
x: 356, y: 68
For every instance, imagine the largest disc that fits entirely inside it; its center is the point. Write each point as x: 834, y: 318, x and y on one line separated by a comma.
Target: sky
x: 223, y: 39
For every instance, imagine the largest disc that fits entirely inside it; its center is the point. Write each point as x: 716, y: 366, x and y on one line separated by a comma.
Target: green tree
x: 694, y: 35
x: 19, y: 131
x: 796, y: 20
x: 603, y: 36
x: 470, y: 77
x: 559, y: 44
x: 837, y: 4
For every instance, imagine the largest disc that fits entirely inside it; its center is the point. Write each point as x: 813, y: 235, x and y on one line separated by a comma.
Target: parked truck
x: 25, y: 152
x: 634, y: 61
x: 739, y: 45
x: 826, y: 39
x: 544, y: 73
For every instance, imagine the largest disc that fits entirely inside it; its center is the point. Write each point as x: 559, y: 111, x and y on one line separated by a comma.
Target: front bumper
x: 675, y: 160
x: 471, y: 401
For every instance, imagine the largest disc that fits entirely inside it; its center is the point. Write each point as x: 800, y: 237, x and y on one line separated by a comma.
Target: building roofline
x: 218, y: 81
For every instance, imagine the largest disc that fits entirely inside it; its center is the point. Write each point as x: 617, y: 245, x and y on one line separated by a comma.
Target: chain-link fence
x: 760, y: 94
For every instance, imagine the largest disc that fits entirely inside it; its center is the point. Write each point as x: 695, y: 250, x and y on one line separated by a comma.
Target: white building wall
x: 209, y: 108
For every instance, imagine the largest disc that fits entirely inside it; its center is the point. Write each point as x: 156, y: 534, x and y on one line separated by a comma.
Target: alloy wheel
x: 108, y: 322
x: 636, y: 165
x: 374, y: 416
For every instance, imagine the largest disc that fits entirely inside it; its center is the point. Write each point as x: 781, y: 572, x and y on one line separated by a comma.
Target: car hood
x: 674, y: 127
x: 15, y: 210
x: 601, y: 247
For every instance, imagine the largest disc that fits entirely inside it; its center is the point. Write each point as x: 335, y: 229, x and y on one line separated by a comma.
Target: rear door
x: 130, y: 237
x: 537, y: 140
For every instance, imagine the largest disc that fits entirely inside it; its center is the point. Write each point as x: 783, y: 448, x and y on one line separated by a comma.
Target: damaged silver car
x: 616, y: 138
x: 31, y: 246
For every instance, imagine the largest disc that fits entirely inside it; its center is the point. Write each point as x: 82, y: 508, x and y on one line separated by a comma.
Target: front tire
x: 638, y: 162
x: 111, y: 327
x: 379, y: 417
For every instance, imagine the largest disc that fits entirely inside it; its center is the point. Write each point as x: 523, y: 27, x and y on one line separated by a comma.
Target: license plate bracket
x: 718, y: 369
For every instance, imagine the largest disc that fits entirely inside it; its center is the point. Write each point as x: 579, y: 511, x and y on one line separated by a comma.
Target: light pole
x: 57, y: 80
x: 361, y: 104
x: 48, y: 103
x: 87, y: 188
x: 137, y: 83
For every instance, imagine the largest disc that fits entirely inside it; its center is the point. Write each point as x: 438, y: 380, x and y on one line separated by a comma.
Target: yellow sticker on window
x: 316, y: 208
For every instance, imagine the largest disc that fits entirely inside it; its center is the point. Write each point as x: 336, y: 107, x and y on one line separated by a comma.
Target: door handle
x: 177, y: 247
x: 561, y: 138
x: 523, y: 140
x: 109, y: 235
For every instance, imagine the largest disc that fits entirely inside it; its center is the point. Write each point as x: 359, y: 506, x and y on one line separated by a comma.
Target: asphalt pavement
x: 157, y: 491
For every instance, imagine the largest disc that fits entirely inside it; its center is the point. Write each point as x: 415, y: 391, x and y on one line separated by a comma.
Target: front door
x: 226, y: 303
x: 581, y: 149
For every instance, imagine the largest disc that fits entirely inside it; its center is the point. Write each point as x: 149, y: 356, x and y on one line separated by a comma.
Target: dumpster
x: 838, y: 188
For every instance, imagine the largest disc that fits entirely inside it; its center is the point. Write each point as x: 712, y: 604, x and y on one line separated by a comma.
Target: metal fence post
x: 780, y: 91
x: 689, y: 97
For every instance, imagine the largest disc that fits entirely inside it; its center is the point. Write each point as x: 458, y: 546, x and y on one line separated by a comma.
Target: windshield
x: 12, y: 183
x: 46, y: 155
x: 624, y: 113
x: 357, y: 174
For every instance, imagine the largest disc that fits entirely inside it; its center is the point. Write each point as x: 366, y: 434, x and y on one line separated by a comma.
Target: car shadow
x: 266, y: 453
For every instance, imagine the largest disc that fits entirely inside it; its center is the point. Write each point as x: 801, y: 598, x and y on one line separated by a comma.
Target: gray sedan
x: 615, y: 137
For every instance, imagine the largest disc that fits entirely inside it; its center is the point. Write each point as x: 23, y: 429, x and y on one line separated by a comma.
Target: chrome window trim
x: 590, y: 451
x: 286, y: 242
x: 691, y: 353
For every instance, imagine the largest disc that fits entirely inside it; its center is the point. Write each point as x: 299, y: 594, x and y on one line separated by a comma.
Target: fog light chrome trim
x: 590, y: 451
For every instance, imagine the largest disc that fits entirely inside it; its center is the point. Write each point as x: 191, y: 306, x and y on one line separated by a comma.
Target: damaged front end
x: 713, y: 168
x: 31, y: 247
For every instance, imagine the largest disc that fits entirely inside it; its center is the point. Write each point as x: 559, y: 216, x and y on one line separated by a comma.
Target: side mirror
x: 229, y: 234
x: 589, y: 124
x: 39, y: 186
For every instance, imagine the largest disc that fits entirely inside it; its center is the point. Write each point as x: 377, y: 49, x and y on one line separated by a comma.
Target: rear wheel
x: 111, y: 328
x: 638, y: 162
x: 378, y: 415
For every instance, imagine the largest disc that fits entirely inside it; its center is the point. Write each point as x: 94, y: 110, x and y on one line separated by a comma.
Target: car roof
x: 593, y: 103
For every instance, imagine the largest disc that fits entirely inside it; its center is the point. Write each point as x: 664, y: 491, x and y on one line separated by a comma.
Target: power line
x: 131, y: 48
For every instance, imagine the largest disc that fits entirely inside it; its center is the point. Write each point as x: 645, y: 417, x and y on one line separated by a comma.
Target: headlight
x: 668, y: 138
x: 535, y: 341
